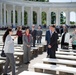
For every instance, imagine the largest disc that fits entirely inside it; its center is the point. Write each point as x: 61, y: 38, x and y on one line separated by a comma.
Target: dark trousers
x: 38, y: 40
x: 73, y: 46
x: 9, y: 60
x: 20, y: 41
x: 52, y: 54
x: 34, y: 40
x: 48, y: 51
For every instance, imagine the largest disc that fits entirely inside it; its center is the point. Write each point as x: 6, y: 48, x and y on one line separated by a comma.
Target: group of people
x: 36, y: 34
x: 26, y: 38
x: 51, y: 38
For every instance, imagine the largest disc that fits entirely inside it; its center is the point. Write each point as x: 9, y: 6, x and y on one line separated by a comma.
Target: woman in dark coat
x: 19, y: 35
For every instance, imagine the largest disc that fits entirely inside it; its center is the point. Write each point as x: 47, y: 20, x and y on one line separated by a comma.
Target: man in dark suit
x: 53, y: 42
x: 33, y: 33
x: 47, y: 38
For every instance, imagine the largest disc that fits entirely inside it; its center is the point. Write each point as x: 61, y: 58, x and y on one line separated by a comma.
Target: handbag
x: 2, y: 53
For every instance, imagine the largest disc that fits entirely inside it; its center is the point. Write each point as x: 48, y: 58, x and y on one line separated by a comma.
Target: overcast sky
x: 62, y: 0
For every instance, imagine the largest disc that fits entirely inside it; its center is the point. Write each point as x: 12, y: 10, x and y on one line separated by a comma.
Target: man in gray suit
x: 39, y: 34
x: 27, y: 41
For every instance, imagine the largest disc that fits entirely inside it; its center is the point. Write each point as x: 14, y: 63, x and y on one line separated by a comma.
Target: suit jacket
x: 47, y: 37
x: 33, y: 33
x: 39, y: 33
x: 53, y: 41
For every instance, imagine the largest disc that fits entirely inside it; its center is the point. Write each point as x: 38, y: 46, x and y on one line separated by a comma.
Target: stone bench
x: 65, y: 53
x: 31, y: 54
x: 19, y: 56
x: 32, y: 73
x: 1, y: 65
x: 41, y: 49
x: 35, y: 51
x: 18, y: 50
x: 69, y: 50
x: 4, y: 58
x: 59, y: 61
x: 71, y: 57
x: 40, y: 67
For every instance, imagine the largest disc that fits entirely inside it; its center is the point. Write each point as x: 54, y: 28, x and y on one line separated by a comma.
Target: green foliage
x: 16, y: 16
x: 62, y: 18
x: 34, y: 17
x: 72, y: 22
x: 11, y: 16
x: 43, y: 18
x: 25, y: 18
x: 53, y: 18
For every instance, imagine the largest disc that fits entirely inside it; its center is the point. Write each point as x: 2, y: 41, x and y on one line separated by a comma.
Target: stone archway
x: 62, y: 18
x: 25, y: 18
x: 72, y: 17
x: 44, y: 18
x: 34, y: 17
x: 16, y: 17
x: 53, y: 18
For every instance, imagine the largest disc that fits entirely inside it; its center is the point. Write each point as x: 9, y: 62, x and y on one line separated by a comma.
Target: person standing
x: 19, y: 35
x: 65, y: 39
x: 39, y: 34
x: 9, y: 51
x: 33, y: 33
x: 74, y: 39
x: 27, y: 42
x: 47, y: 39
x: 53, y: 42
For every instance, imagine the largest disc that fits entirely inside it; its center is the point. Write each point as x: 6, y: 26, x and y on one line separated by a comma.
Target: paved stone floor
x: 32, y: 62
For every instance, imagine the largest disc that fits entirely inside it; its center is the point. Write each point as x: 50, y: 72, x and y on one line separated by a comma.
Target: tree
x: 34, y: 17
x: 43, y: 18
x: 25, y: 18
x: 53, y: 18
x: 62, y: 18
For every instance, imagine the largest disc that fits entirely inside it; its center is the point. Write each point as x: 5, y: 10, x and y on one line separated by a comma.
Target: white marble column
x: 4, y: 14
x: 68, y: 18
x: 57, y: 18
x: 75, y: 18
x: 39, y: 17
x: 22, y: 15
x: 28, y: 18
x: 0, y: 14
x: 13, y: 14
x: 19, y: 17
x: 31, y: 16
x: 48, y: 17
x: 9, y: 17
